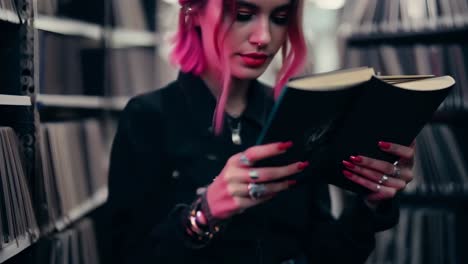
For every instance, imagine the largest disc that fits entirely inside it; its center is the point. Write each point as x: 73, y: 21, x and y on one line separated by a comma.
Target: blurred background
x: 68, y: 67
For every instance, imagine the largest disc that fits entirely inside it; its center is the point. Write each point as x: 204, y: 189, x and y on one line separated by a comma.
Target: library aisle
x: 69, y: 67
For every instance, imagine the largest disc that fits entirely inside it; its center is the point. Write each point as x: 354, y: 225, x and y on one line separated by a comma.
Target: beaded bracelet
x: 199, y: 224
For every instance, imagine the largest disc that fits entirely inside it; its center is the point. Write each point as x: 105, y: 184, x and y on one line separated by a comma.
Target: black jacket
x: 164, y: 150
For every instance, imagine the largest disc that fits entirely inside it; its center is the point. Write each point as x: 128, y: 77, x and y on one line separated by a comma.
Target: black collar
x: 202, y: 102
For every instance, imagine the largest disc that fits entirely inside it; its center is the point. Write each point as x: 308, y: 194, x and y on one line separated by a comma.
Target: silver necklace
x: 235, y: 132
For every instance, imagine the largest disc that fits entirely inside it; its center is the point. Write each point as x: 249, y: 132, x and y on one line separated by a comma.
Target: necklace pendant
x: 235, y: 137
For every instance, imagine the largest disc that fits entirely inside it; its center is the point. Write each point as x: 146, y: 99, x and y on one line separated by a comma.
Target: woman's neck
x: 237, y: 99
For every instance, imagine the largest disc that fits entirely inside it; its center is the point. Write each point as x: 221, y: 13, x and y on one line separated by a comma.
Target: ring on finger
x: 256, y: 191
x: 383, y: 179
x: 244, y: 160
x: 396, y: 170
x: 378, y: 187
x: 253, y: 174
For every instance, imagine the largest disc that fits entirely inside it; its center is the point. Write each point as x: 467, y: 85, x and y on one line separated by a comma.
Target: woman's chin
x: 248, y: 73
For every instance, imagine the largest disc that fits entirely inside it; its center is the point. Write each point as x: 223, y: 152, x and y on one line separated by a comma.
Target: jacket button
x: 211, y: 157
x: 175, y: 174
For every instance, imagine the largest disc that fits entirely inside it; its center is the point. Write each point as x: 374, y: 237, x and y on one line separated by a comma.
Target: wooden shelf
x: 83, y: 101
x: 9, y: 16
x: 94, y: 202
x: 19, y: 100
x: 98, y: 199
x: 15, y: 247
x: 72, y: 101
x: 66, y: 26
x: 118, y: 38
x: 117, y: 103
x: 444, y: 35
x: 123, y: 38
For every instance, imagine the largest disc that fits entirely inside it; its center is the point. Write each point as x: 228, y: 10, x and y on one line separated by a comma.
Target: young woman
x: 182, y: 185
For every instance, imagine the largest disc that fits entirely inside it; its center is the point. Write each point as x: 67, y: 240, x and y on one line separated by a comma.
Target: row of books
x: 8, y: 11
x: 426, y: 236
x: 441, y: 166
x: 384, y: 16
x: 450, y: 59
x: 74, y: 168
x: 76, y: 245
x: 135, y: 15
x: 17, y: 218
x: 78, y: 66
x: 87, y: 10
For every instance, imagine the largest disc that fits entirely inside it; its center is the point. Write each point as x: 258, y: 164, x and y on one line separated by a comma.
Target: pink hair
x: 189, y: 54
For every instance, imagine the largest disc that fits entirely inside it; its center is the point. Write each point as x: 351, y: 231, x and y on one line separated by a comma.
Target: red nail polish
x: 285, y: 145
x: 292, y: 182
x: 348, y: 164
x: 303, y: 165
x: 384, y: 145
x: 356, y: 159
x: 347, y: 174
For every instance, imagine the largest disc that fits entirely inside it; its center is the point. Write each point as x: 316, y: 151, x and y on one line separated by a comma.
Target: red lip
x: 254, y: 60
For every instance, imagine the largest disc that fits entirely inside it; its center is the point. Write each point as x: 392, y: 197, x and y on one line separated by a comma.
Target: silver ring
x: 253, y: 174
x: 256, y: 191
x: 244, y: 160
x: 383, y: 179
x: 396, y: 170
x: 378, y: 187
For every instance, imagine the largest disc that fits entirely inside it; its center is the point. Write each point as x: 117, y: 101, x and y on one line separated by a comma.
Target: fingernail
x: 356, y: 159
x: 302, y: 165
x: 285, y: 145
x: 348, y: 164
x: 384, y: 145
x: 292, y: 182
x: 347, y: 174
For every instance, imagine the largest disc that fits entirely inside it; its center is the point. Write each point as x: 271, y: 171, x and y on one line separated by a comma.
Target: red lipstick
x: 254, y: 60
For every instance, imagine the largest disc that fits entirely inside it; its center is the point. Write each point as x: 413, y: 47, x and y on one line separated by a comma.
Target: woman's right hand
x: 229, y: 193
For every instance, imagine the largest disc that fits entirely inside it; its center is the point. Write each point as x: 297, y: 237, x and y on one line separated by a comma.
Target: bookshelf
x: 82, y: 101
x: 18, y: 100
x: 9, y: 16
x: 59, y: 57
x: 71, y: 27
x: 421, y: 37
x: 12, y: 249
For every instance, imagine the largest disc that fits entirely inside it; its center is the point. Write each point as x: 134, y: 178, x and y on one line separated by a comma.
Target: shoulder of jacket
x: 153, y: 101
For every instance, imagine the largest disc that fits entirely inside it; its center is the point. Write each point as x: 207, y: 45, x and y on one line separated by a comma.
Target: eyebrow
x: 254, y: 6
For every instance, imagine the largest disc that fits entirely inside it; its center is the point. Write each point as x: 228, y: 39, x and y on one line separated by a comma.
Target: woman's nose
x: 261, y: 34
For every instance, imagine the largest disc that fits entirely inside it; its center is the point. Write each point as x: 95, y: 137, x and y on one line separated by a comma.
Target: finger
x: 387, y: 168
x: 404, y: 152
x: 368, y: 184
x: 245, y: 203
x: 406, y: 174
x: 268, y: 174
x: 242, y: 190
x: 260, y: 152
x: 383, y: 194
x: 371, y: 163
x: 376, y: 176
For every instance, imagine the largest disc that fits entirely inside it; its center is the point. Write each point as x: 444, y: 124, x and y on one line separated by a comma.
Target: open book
x: 333, y: 115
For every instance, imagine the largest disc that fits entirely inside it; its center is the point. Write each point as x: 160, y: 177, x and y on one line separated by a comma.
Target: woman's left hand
x: 384, y: 179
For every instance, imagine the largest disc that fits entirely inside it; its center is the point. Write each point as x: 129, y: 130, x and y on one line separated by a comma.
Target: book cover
x: 333, y: 115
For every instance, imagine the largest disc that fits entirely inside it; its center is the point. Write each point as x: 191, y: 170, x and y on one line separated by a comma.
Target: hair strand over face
x: 189, y: 54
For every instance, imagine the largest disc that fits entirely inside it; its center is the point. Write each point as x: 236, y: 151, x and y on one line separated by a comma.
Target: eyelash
x: 244, y: 16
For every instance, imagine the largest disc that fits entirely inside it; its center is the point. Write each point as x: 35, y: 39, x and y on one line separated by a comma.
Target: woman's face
x: 257, y: 33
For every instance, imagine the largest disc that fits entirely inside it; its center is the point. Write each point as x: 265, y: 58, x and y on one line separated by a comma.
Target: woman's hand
x: 239, y: 186
x: 384, y: 179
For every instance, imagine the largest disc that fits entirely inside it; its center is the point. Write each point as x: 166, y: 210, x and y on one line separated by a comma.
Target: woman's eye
x: 243, y: 16
x: 280, y: 19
